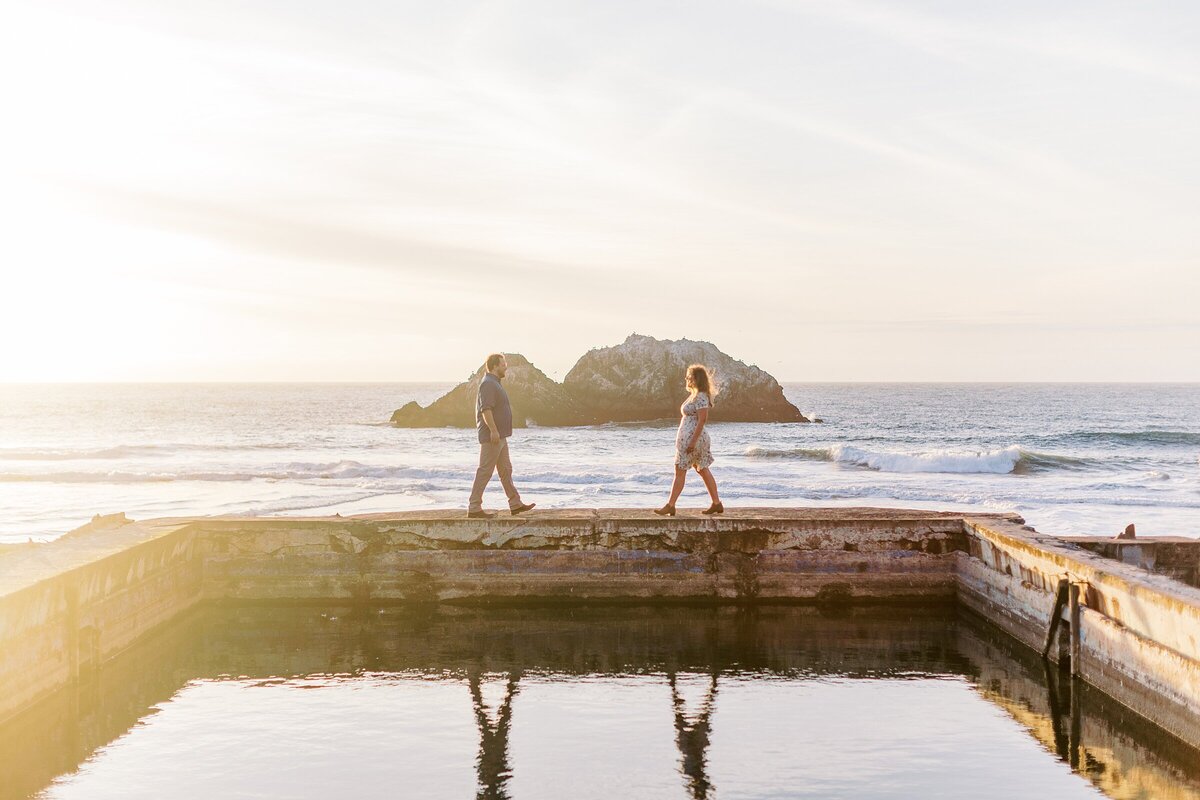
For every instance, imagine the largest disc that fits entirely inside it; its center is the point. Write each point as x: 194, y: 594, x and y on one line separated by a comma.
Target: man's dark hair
x: 493, y: 360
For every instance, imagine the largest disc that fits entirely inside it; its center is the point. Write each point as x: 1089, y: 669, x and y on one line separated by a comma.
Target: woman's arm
x: 701, y: 418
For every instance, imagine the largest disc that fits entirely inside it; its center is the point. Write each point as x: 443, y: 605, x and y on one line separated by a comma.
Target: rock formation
x: 639, y: 379
x: 536, y: 399
x: 642, y: 378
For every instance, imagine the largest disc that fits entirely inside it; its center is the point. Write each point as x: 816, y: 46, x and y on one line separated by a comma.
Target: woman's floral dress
x: 701, y: 456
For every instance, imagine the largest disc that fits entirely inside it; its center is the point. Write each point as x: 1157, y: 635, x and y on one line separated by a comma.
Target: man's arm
x: 488, y: 395
x: 491, y: 423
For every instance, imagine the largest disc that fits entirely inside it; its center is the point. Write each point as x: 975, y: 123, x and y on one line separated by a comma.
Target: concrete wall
x: 768, y: 555
x: 1173, y: 556
x: 70, y: 605
x: 1138, y: 634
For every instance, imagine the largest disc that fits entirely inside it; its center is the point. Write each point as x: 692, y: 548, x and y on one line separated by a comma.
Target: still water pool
x: 616, y: 702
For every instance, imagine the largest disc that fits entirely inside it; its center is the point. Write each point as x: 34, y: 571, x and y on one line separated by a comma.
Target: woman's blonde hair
x: 697, y: 376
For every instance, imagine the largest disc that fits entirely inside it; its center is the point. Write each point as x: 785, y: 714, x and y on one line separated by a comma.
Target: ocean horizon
x: 1071, y: 458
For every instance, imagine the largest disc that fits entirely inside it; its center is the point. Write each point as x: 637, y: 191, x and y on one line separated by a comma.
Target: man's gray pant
x: 493, y: 458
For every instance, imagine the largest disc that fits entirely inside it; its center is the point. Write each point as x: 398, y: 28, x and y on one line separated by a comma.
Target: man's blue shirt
x: 492, y: 395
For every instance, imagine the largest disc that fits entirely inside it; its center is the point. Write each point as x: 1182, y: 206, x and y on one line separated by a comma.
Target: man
x: 493, y: 418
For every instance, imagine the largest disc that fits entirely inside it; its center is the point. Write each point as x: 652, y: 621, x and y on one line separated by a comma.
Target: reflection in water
x: 492, y: 763
x: 1063, y: 743
x: 802, y: 697
x: 691, y: 736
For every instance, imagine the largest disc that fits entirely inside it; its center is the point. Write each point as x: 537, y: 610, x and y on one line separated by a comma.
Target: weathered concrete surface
x: 67, y: 606
x: 1174, y: 556
x: 56, y: 736
x: 1139, y: 634
x: 12, y: 549
x: 586, y: 555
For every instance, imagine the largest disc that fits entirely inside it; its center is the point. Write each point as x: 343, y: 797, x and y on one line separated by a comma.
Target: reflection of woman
x: 691, y: 737
x: 692, y: 446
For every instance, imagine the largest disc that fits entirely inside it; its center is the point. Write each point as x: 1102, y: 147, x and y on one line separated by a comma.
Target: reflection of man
x: 492, y: 765
x: 493, y: 417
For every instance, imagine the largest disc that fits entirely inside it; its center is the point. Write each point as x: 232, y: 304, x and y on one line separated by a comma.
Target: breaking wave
x: 1011, y: 459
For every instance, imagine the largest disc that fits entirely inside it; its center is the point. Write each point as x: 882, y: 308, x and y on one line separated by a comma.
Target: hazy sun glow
x: 386, y: 191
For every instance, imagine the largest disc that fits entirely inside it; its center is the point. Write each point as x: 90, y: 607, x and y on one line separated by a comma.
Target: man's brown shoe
x: 522, y: 509
x: 480, y: 515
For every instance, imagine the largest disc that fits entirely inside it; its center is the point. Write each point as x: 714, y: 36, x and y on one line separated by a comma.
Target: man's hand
x: 490, y: 421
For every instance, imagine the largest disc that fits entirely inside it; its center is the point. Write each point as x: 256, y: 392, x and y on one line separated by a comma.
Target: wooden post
x: 1060, y: 602
x: 1074, y: 615
x: 1076, y: 646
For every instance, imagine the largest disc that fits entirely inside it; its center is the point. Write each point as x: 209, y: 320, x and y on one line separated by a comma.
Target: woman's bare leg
x: 710, y: 483
x: 677, y: 486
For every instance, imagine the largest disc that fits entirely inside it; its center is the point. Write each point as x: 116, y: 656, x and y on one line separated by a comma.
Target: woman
x: 692, y: 446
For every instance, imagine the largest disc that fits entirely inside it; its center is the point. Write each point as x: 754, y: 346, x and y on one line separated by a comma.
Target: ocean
x: 1073, y: 459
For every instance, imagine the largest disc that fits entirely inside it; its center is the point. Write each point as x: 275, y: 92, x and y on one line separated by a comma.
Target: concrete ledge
x: 1156, y: 607
x: 67, y: 606
x: 1173, y: 556
x: 584, y: 556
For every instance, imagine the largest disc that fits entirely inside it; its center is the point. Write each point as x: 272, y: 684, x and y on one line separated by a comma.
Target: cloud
x: 255, y: 231
x: 1039, y: 34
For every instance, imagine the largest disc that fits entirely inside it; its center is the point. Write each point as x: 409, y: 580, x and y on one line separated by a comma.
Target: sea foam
x: 991, y: 461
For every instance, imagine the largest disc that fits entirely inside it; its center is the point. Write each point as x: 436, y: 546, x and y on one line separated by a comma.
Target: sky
x: 386, y: 191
